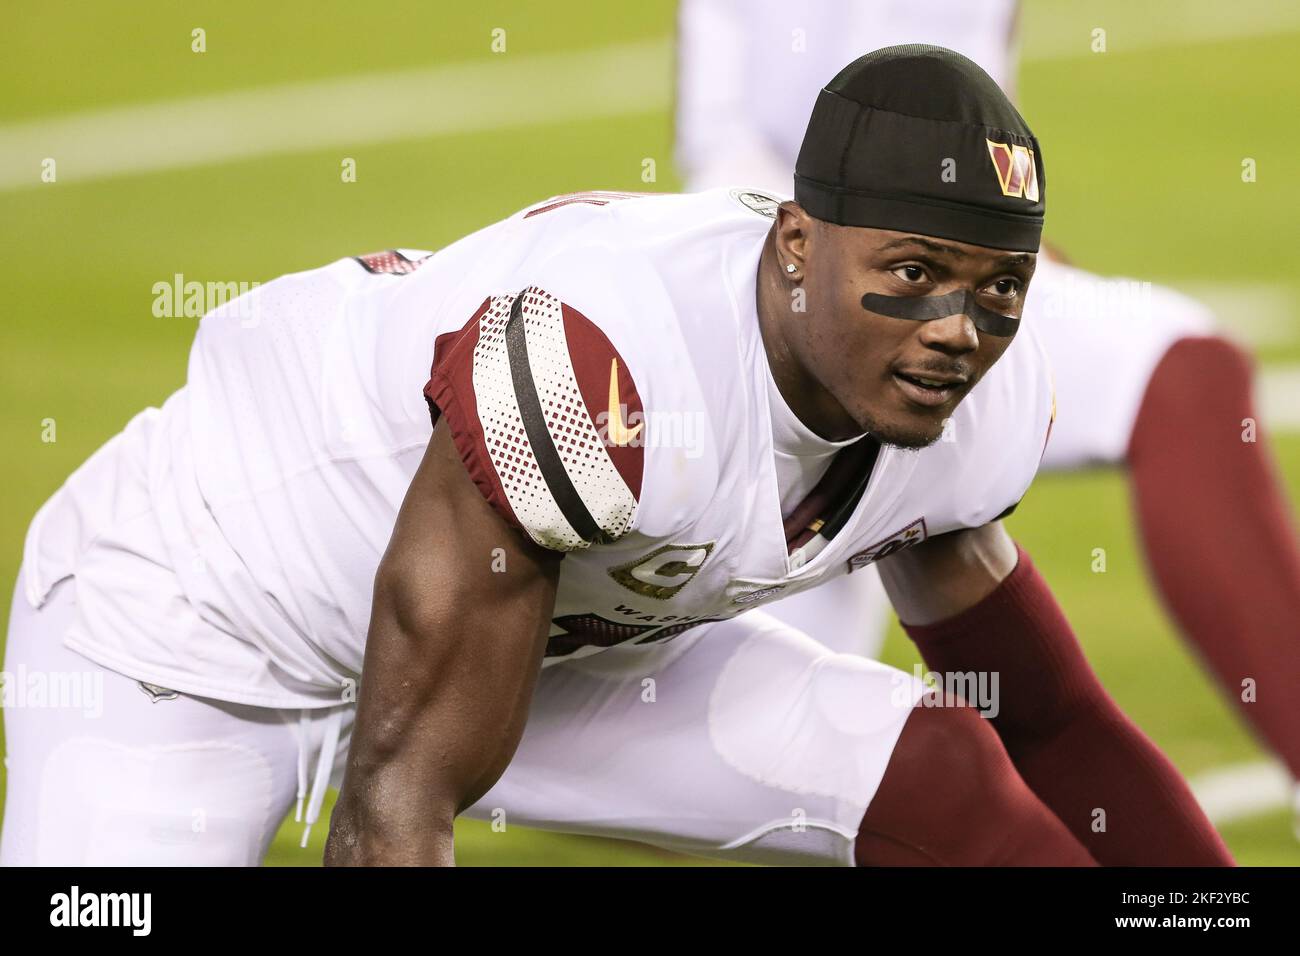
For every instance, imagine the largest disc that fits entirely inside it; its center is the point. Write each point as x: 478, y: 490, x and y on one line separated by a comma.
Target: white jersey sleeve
x: 545, y: 390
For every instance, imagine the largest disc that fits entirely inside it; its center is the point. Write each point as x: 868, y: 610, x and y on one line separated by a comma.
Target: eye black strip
x: 924, y: 308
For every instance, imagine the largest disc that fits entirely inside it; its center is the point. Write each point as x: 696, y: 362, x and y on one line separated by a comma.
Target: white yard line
x: 511, y: 91
x: 1278, y: 397
x: 1237, y: 791
x: 503, y: 92
x: 1061, y: 29
x: 1257, y: 313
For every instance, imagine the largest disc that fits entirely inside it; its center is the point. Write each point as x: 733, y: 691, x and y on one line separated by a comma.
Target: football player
x: 540, y: 483
x: 1141, y: 377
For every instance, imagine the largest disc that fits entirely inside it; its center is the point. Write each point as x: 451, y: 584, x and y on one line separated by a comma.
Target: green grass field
x: 1146, y: 142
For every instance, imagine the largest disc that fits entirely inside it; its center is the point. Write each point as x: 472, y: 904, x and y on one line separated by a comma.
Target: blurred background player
x: 1142, y: 378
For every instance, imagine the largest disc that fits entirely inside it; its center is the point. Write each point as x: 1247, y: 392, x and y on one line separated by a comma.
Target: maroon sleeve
x: 1069, y: 740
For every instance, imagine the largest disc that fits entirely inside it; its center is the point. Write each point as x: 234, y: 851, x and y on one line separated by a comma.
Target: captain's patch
x: 664, y: 571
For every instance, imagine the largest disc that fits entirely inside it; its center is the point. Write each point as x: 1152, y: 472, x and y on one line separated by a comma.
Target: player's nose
x: 952, y: 334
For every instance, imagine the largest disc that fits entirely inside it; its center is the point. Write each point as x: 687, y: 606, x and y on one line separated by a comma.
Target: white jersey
x: 598, y: 361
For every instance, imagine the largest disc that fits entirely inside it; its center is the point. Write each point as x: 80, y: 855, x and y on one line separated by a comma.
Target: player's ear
x: 793, y: 230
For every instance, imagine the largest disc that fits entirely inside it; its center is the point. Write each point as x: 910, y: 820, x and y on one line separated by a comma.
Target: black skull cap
x: 918, y: 138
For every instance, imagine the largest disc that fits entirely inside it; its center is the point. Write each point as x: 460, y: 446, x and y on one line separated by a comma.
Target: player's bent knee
x: 949, y: 796
x: 953, y: 755
x: 207, y: 803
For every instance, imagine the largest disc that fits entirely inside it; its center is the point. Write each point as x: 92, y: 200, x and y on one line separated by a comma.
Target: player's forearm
x: 1118, y: 793
x: 409, y: 768
x: 373, y: 826
x: 402, y: 787
x: 1107, y: 782
x: 439, y: 715
x: 452, y: 655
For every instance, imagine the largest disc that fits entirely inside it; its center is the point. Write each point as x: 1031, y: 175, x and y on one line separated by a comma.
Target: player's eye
x: 1005, y: 288
x: 911, y: 273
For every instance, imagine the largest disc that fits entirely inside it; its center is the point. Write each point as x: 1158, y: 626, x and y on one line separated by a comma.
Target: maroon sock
x: 1117, y: 793
x: 951, y: 797
x: 1217, y: 532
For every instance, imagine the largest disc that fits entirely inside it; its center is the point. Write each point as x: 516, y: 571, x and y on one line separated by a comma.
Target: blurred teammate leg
x: 1218, y: 535
x: 1141, y: 378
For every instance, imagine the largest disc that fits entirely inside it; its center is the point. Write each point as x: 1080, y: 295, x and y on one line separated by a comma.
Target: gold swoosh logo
x: 619, y: 434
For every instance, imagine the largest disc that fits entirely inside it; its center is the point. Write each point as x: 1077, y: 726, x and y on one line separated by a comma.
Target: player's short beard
x: 898, y: 437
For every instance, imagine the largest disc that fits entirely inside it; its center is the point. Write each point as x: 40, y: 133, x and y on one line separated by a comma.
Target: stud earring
x: 790, y: 267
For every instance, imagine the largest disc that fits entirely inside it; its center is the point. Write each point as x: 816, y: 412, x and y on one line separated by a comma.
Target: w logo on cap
x: 1017, y: 174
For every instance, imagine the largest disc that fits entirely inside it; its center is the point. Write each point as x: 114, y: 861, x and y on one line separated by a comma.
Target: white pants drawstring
x: 324, y: 768
x: 304, y: 743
